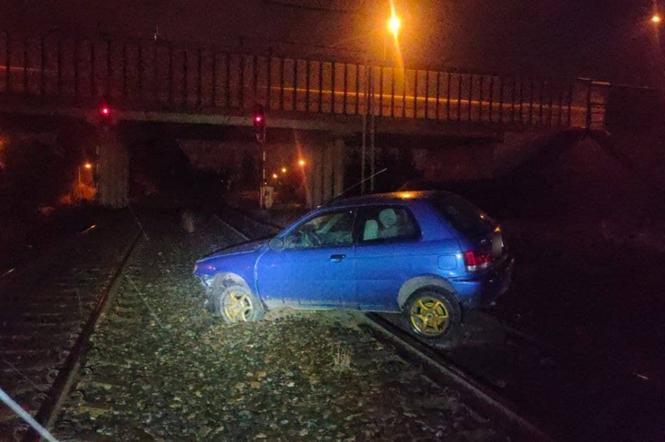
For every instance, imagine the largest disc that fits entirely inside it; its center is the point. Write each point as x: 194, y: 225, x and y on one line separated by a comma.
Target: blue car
x: 431, y: 255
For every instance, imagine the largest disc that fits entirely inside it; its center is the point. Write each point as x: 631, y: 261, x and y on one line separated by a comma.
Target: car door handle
x: 337, y: 258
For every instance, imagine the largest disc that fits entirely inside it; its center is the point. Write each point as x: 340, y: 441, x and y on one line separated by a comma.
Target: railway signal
x: 259, y: 122
x: 105, y: 113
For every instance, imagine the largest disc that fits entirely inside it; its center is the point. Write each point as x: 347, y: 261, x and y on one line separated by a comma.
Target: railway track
x: 48, y: 311
x: 136, y: 322
x: 445, y: 371
x: 439, y: 367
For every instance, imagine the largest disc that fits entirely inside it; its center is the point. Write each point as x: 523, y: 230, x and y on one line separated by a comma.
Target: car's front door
x: 388, y: 238
x: 316, y: 265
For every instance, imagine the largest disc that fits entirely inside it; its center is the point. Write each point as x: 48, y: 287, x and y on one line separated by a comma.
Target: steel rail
x: 444, y: 371
x: 59, y: 391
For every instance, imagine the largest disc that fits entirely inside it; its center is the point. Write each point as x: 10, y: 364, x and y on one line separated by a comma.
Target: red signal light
x: 259, y: 118
x: 104, y: 111
x: 259, y: 122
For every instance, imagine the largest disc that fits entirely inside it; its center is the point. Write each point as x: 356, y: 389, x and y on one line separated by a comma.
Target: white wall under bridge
x: 325, y: 178
x: 112, y: 171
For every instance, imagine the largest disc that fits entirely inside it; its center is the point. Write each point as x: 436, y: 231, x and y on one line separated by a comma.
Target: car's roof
x: 400, y: 197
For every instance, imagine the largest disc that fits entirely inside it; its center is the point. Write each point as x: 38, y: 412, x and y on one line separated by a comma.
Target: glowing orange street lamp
x: 394, y: 24
x: 274, y: 176
x: 301, y: 162
x: 87, y: 166
x: 656, y: 19
x: 283, y: 169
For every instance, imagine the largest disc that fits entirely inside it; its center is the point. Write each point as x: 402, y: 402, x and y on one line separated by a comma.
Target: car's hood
x: 246, y: 247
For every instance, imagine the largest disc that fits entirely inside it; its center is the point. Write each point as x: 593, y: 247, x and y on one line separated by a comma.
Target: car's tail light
x: 475, y: 260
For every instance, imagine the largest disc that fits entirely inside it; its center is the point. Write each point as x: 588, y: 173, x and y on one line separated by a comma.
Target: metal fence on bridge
x: 162, y: 76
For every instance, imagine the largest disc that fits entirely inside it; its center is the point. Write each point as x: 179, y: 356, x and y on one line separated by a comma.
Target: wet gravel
x: 163, y: 368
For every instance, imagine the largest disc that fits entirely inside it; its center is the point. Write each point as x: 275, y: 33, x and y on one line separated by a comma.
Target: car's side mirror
x: 276, y: 244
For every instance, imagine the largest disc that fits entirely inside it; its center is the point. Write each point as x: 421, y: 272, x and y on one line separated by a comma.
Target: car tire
x: 435, y: 316
x: 236, y: 303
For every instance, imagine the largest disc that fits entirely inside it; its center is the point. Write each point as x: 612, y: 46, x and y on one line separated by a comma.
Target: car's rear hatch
x: 480, y: 235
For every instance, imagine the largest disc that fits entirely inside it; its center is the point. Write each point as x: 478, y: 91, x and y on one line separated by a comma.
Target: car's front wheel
x: 433, y: 315
x: 236, y: 303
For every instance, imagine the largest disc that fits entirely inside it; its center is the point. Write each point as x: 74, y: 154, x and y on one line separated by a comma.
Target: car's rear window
x: 463, y: 216
x: 386, y: 223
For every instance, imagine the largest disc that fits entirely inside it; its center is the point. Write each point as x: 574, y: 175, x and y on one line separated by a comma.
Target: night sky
x: 608, y: 40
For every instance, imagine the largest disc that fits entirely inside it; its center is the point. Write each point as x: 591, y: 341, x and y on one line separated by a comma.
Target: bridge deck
x: 170, y: 78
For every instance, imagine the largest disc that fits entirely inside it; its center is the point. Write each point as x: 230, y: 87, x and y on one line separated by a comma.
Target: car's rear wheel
x: 236, y: 303
x: 433, y: 315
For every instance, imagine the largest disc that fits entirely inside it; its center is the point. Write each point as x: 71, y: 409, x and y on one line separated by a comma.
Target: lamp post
x: 393, y: 25
x: 87, y: 166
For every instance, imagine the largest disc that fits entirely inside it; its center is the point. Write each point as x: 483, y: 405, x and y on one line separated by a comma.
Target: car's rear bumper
x: 484, y: 289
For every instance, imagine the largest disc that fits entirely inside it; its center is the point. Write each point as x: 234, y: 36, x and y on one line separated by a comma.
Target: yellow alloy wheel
x: 238, y: 306
x: 429, y: 316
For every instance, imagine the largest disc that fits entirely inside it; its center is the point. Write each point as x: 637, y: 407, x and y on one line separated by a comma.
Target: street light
x: 301, y: 162
x: 283, y: 169
x: 87, y: 166
x: 394, y: 24
x: 656, y: 19
x: 274, y: 176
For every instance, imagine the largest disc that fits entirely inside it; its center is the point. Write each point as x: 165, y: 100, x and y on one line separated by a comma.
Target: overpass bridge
x: 175, y: 83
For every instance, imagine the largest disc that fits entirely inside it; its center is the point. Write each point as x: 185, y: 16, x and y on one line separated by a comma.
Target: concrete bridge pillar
x: 112, y: 171
x: 325, y: 174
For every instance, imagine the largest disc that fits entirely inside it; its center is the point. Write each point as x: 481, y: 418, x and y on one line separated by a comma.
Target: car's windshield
x: 330, y: 229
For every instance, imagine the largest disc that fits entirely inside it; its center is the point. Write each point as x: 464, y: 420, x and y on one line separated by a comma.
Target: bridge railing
x: 161, y: 76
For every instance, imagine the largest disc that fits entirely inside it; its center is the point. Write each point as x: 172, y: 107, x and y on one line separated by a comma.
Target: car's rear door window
x: 386, y: 224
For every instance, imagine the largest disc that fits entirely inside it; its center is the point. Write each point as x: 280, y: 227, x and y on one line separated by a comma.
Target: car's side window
x: 386, y: 223
x: 333, y: 229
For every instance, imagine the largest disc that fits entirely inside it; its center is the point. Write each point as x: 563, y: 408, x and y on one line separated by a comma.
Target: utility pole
x: 394, y: 26
x: 372, y: 133
x: 363, y: 148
